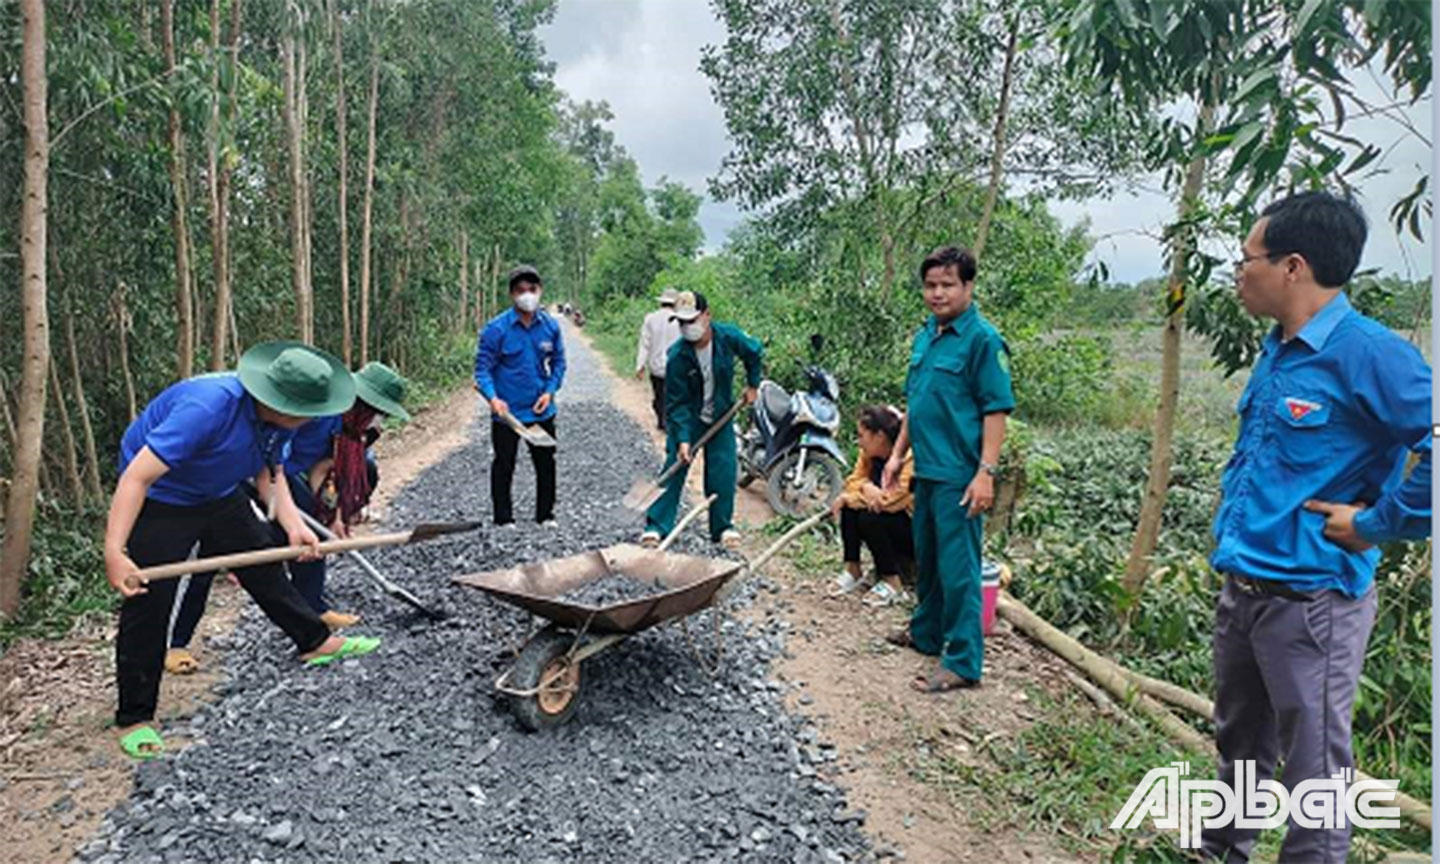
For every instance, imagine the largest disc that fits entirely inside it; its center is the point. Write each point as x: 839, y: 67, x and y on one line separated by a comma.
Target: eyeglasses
x: 1239, y: 263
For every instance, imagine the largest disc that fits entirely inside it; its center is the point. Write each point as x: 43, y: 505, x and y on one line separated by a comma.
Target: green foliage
x: 642, y: 233
x: 66, y: 578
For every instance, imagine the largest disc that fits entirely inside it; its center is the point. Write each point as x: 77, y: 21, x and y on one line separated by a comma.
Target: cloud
x: 643, y: 57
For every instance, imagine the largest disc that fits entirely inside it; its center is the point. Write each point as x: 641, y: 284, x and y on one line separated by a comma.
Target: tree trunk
x: 67, y: 436
x: 392, y: 319
x: 345, y: 327
x: 294, y: 148
x: 491, y: 289
x: 463, y: 311
x: 997, y: 155
x: 1152, y: 507
x: 220, y: 168
x: 366, y: 218
x: 11, y: 439
x: 82, y: 407
x: 122, y: 332
x: 20, y: 503
x: 307, y: 207
x: 184, y: 348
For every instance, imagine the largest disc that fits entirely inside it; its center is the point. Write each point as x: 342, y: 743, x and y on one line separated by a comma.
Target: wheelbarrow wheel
x: 544, y: 666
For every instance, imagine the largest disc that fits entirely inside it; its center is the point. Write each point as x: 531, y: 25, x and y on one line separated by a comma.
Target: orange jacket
x: 894, y: 501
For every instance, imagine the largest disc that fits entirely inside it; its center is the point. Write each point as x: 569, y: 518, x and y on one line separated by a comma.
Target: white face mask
x: 693, y: 332
x: 528, y: 302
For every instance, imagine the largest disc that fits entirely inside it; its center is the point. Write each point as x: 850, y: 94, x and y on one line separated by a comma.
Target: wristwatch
x: 990, y: 468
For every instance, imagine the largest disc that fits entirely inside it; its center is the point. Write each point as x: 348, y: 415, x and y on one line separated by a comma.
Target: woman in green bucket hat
x: 331, y: 476
x: 182, y: 465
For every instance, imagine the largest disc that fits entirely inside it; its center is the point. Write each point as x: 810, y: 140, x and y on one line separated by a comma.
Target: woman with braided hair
x: 331, y: 476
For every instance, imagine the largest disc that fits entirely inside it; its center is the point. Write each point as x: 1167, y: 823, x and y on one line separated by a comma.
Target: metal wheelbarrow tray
x: 544, y: 681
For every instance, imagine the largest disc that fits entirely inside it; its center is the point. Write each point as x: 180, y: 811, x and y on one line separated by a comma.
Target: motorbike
x: 790, y: 441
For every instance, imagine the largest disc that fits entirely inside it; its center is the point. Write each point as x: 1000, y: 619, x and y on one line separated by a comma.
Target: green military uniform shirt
x: 956, y: 377
x: 685, y: 385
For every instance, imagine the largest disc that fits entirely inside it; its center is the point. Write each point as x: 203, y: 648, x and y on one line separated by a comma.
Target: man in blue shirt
x: 1334, y: 405
x: 519, y: 366
x: 330, y: 475
x: 181, y: 465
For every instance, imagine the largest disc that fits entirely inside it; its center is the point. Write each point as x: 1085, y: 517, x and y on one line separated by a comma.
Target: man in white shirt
x: 659, y: 331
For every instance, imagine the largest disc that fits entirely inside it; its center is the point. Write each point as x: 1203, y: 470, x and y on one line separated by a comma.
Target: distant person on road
x: 1335, y: 405
x: 871, y: 516
x: 699, y: 385
x: 958, y: 399
x: 659, y: 331
x: 331, y: 476
x: 519, y: 367
x: 182, y: 463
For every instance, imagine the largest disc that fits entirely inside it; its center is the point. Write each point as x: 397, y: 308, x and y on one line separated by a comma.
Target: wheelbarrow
x: 544, y: 682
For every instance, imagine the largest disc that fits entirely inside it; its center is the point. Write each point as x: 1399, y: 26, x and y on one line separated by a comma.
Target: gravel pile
x: 610, y: 589
x: 408, y: 755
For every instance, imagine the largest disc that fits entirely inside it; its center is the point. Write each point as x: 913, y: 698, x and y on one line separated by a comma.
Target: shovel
x: 532, y: 434
x: 647, y: 492
x: 385, y: 584
x: 419, y: 533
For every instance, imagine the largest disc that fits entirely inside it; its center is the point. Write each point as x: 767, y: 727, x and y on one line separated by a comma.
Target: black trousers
x: 165, y: 533
x: 657, y: 400
x: 502, y: 473
x: 887, y: 535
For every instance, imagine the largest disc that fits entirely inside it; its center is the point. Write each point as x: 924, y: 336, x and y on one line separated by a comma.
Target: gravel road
x: 407, y: 755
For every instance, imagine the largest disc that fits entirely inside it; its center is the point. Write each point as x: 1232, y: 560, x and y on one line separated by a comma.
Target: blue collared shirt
x: 313, y: 442
x: 1328, y: 415
x: 519, y: 363
x: 207, y: 433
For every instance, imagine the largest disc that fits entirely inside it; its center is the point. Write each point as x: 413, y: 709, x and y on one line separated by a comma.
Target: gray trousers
x: 1285, y: 679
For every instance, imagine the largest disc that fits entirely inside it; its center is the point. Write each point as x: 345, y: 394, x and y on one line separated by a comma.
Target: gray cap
x: 524, y: 271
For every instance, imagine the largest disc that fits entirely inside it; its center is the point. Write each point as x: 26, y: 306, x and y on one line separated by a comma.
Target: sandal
x: 942, y: 681
x: 179, y: 661
x: 142, y: 744
x: 353, y: 646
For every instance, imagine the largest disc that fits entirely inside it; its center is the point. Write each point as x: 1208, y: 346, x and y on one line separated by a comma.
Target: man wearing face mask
x: 519, y: 366
x: 699, y: 376
x: 331, y: 476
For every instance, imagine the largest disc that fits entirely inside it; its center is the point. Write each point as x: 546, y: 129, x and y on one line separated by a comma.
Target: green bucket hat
x: 296, y: 379
x: 383, y: 388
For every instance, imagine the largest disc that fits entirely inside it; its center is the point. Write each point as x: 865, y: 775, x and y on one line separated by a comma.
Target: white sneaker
x: 730, y: 539
x: 549, y: 524
x: 650, y: 539
x: 883, y: 595
x: 846, y: 583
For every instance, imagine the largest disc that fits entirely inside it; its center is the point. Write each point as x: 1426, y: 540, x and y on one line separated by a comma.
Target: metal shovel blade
x: 642, y: 495
x: 532, y: 434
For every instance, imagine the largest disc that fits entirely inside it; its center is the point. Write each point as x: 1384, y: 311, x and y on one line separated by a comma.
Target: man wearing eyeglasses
x: 1335, y: 404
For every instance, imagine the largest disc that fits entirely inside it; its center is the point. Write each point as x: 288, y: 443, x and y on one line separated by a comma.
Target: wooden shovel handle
x: 704, y: 439
x: 264, y: 556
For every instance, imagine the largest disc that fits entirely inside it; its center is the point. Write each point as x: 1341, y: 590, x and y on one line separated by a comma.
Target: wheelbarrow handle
x: 685, y: 523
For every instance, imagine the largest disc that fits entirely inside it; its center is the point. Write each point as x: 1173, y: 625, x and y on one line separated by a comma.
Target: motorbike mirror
x: 817, y: 342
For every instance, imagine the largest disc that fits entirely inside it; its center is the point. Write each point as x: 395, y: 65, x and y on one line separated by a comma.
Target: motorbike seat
x: 775, y: 400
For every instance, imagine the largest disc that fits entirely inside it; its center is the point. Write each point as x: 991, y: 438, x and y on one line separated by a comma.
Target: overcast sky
x: 643, y: 57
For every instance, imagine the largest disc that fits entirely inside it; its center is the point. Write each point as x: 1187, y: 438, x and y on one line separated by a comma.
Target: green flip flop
x: 353, y: 646
x: 137, y: 740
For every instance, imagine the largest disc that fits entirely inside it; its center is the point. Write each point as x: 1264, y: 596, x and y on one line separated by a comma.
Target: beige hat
x: 667, y: 297
x: 690, y: 305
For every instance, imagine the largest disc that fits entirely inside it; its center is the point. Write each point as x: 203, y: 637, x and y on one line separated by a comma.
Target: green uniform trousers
x: 946, y: 622
x: 721, y: 463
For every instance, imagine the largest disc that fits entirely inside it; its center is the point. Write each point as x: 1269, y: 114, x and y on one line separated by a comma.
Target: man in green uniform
x: 699, y: 381
x: 958, y: 398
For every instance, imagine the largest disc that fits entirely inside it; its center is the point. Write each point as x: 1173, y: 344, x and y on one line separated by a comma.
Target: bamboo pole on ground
x: 1143, y: 692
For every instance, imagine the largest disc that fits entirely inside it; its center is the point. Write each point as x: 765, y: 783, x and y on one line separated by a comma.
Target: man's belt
x: 1267, y: 588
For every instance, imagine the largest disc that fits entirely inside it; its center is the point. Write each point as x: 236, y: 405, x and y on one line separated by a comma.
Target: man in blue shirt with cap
x: 182, y: 463
x: 519, y: 367
x: 1335, y: 405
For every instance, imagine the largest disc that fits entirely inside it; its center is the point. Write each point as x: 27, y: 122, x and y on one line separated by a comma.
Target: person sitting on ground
x: 872, y: 516
x: 181, y: 465
x: 699, y: 389
x: 331, y: 476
